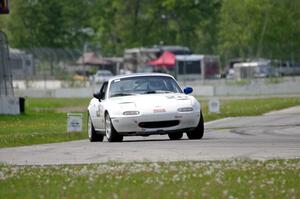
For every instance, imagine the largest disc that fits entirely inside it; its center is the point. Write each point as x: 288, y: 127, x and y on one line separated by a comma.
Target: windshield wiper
x: 121, y: 94
x: 157, y: 91
x: 150, y: 92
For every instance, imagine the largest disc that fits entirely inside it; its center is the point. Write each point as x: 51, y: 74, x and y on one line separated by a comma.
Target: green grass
x: 43, y: 122
x: 248, y: 107
x: 210, y: 179
x: 45, y: 119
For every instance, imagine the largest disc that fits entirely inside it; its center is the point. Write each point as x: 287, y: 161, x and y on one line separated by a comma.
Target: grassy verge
x: 45, y: 119
x: 248, y: 107
x: 43, y: 122
x: 216, y: 179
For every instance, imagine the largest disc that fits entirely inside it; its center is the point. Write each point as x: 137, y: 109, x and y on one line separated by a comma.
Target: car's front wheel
x: 111, y: 134
x: 93, y: 135
x: 198, y: 132
x: 175, y: 136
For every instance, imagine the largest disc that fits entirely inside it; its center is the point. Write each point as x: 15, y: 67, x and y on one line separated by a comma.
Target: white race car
x: 142, y: 105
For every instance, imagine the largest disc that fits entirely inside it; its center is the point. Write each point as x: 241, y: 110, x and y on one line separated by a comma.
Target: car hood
x: 151, y: 102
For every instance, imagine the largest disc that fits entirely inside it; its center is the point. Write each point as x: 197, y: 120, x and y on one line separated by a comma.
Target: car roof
x: 140, y: 75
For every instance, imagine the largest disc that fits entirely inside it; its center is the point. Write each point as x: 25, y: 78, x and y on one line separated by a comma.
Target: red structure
x: 167, y: 59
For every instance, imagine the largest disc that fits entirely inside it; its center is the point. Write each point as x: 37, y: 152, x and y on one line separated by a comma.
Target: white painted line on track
x: 219, y: 120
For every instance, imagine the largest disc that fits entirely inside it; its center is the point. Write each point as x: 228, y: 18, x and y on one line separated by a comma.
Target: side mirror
x: 97, y: 95
x: 188, y: 90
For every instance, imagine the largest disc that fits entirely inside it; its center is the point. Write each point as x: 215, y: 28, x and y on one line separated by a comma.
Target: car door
x: 101, y: 108
x: 98, y: 119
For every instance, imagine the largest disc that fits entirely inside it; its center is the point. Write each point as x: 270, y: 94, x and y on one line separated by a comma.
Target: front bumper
x: 131, y: 125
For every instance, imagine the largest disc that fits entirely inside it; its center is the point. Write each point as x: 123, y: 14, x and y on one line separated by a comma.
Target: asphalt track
x: 272, y: 136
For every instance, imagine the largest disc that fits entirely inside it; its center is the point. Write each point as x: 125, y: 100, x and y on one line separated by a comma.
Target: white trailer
x: 194, y: 67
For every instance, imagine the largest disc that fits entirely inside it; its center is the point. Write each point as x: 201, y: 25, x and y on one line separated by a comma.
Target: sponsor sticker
x: 159, y: 110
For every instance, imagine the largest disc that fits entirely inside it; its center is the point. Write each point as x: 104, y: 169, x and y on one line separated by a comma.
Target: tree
x: 133, y: 23
x: 259, y: 28
x: 42, y: 23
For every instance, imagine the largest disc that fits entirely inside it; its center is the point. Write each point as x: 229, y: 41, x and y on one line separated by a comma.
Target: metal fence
x: 52, y: 63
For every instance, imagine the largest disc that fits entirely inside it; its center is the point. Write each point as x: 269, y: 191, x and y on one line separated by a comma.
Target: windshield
x: 143, y: 85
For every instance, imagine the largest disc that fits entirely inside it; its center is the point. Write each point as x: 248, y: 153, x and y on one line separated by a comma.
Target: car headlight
x: 131, y: 113
x: 185, y: 109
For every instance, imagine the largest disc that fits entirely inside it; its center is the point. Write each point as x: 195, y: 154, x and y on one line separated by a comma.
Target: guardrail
x: 253, y: 88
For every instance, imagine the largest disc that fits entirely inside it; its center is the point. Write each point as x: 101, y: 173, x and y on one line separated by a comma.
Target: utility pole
x: 83, y: 60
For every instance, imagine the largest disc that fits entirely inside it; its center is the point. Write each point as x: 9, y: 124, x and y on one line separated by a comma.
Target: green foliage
x: 230, y: 28
x: 209, y: 179
x: 134, y: 23
x: 56, y: 24
x: 116, y: 24
x: 259, y: 28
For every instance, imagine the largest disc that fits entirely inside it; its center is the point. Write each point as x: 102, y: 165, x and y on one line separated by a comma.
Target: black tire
x: 111, y: 134
x: 198, y: 132
x: 175, y: 136
x: 92, y: 133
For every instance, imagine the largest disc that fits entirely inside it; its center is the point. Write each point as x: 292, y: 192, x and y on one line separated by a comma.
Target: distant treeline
x: 230, y: 28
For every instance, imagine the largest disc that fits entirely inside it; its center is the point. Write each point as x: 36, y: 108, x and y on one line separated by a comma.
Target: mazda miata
x: 143, y: 105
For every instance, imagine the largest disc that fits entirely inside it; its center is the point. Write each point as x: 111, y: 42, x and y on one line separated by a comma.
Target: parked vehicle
x: 192, y: 67
x: 286, y: 68
x: 144, y: 104
x: 102, y: 76
x: 266, y: 71
x: 254, y: 69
